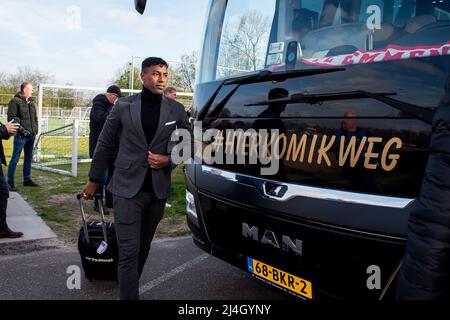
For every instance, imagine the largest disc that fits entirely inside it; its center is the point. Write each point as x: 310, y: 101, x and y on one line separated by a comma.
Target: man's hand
x: 157, y: 161
x: 89, y: 190
x: 12, y: 128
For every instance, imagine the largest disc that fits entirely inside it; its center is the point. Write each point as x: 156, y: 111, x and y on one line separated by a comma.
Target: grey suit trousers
x: 135, y: 221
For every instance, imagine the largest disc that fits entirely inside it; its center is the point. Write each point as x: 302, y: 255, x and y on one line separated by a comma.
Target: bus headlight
x: 191, y: 211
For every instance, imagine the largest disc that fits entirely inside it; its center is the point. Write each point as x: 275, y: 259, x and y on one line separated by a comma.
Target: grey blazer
x: 124, y: 126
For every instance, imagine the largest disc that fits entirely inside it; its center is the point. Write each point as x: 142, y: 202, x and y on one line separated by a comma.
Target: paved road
x: 176, y: 269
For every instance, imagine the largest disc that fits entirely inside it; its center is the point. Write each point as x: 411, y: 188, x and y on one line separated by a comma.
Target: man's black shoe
x: 12, y: 187
x: 30, y: 183
x: 10, y: 234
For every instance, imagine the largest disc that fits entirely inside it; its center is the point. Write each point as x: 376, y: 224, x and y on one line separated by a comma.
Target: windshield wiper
x: 261, y: 76
x: 420, y: 113
x: 266, y: 75
x: 318, y: 98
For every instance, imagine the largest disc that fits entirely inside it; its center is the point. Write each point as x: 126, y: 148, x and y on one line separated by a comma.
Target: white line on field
x: 172, y: 273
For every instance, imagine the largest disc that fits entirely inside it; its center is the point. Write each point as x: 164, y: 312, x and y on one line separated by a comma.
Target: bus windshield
x: 248, y: 36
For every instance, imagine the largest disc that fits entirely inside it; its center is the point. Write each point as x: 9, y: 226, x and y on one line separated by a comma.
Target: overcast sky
x: 84, y: 42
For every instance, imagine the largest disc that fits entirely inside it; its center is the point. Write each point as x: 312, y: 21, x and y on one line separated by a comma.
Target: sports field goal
x: 61, y: 149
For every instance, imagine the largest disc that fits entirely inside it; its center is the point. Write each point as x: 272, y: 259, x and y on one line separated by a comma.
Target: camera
x: 21, y: 131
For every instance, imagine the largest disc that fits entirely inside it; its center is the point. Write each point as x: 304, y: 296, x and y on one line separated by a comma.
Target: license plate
x: 280, y: 278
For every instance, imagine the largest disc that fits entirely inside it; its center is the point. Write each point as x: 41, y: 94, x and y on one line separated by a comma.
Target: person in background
x: 101, y: 107
x: 23, y: 110
x: 171, y: 93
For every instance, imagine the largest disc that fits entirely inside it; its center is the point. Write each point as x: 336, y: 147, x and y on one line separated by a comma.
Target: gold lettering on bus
x: 281, y: 139
x: 354, y: 155
x: 370, y: 154
x: 324, y: 148
x: 367, y: 152
x: 393, y: 157
x: 312, y: 148
x: 295, y: 148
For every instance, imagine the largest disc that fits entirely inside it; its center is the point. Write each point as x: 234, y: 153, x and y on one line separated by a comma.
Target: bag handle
x: 97, y: 197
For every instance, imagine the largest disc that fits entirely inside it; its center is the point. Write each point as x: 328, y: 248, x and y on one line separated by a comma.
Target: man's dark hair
x: 153, y: 61
x: 23, y: 85
x: 114, y: 89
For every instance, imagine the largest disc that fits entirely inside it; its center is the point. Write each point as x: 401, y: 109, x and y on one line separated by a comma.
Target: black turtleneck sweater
x: 150, y: 108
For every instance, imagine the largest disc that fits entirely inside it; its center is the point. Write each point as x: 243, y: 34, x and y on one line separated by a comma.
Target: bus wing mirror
x: 140, y: 5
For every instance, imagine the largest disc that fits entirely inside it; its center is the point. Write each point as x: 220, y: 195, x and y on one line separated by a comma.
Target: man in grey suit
x: 143, y: 124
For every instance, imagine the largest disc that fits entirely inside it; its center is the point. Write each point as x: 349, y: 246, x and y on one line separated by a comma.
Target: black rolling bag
x: 97, y: 245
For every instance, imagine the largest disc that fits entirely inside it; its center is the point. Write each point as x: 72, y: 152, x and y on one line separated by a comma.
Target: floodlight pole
x: 129, y: 78
x: 132, y: 73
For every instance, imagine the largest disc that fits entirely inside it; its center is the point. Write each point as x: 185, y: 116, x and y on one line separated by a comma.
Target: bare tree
x: 10, y: 83
x: 185, y: 72
x: 3, y: 79
x: 174, y: 77
x: 35, y: 76
x: 243, y: 45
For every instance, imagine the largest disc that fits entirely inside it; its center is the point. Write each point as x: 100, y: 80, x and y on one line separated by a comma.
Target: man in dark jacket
x: 101, y: 107
x: 6, y: 131
x: 425, y: 273
x: 22, y: 108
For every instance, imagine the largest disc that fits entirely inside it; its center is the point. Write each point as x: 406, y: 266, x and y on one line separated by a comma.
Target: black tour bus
x: 351, y: 86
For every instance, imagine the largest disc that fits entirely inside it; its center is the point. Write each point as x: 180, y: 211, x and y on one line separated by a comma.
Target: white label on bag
x: 102, y: 247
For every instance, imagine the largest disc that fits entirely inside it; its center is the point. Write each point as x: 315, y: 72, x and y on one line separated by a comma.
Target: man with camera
x: 21, y: 109
x: 6, y: 131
